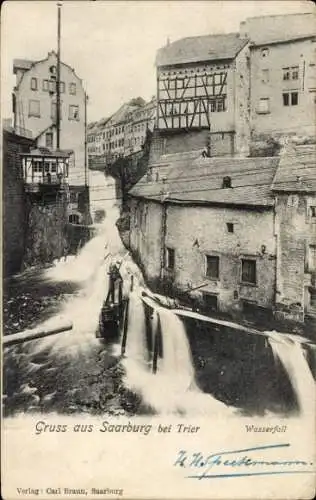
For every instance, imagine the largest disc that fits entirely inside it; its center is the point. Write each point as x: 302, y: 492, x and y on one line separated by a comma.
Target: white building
x: 34, y: 108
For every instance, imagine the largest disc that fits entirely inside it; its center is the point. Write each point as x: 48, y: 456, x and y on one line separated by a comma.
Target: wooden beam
x: 36, y: 333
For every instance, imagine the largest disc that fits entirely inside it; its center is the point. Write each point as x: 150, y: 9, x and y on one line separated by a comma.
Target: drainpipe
x: 85, y: 140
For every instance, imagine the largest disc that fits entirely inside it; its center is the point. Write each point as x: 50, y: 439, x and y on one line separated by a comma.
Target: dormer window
x: 227, y: 182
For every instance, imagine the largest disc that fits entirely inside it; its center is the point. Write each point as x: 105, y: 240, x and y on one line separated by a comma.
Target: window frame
x: 52, y: 141
x: 170, y: 255
x: 45, y: 83
x: 263, y: 110
x: 38, y: 102
x: 288, y: 98
x: 243, y: 281
x: 34, y: 79
x: 295, y: 93
x: 216, y: 259
x: 72, y: 85
x: 71, y: 116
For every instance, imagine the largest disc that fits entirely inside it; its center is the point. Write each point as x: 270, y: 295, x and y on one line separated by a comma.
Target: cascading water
x: 172, y: 390
x: 177, y: 361
x: 136, y: 347
x: 290, y: 353
x: 82, y: 309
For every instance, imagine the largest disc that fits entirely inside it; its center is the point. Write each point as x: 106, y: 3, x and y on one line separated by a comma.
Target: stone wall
x: 295, y: 232
x: 193, y: 233
x: 46, y: 237
x: 206, y: 233
x: 14, y: 214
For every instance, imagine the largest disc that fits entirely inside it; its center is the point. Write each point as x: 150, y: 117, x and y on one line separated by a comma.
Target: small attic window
x: 227, y: 182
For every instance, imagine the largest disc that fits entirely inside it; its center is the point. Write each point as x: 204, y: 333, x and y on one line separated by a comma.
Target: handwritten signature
x: 204, y: 465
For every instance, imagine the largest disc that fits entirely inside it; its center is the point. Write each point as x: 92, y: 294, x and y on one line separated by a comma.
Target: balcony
x: 45, y: 170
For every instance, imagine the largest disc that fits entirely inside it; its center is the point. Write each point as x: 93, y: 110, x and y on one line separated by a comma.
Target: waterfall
x: 177, y: 360
x: 83, y: 308
x: 172, y: 390
x: 291, y: 354
x: 136, y: 347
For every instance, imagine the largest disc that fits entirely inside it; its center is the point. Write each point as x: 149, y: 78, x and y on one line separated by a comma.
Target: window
x: 52, y: 86
x: 37, y: 166
x: 230, y: 227
x: 312, y: 298
x: 218, y: 105
x: 49, y: 139
x: 34, y: 108
x: 74, y: 219
x: 264, y: 52
x: 248, y: 271
x: 291, y: 73
x: 312, y: 211
x: 33, y: 83
x: 73, y: 112
x: 170, y: 258
x: 72, y: 89
x: 210, y: 302
x: 294, y: 98
x: 227, y: 182
x: 45, y: 85
x: 263, y: 105
x: 312, y: 258
x: 212, y: 266
x: 62, y: 87
x: 290, y: 98
x: 286, y: 73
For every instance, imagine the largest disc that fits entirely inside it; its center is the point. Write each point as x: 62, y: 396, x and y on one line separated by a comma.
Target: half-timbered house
x: 202, y: 95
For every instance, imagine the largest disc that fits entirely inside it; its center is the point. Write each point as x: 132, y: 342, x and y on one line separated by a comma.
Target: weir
x: 169, y: 352
x: 177, y: 360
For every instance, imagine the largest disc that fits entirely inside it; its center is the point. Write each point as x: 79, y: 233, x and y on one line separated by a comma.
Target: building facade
x: 294, y: 187
x: 282, y: 75
x: 121, y: 135
x: 213, y: 226
x: 34, y: 108
x: 141, y: 121
x: 203, y: 95
x: 240, y: 231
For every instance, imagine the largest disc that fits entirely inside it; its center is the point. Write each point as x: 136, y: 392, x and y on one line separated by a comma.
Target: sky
x: 112, y: 44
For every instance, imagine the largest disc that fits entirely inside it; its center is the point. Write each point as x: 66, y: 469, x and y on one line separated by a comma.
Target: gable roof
x: 265, y: 30
x: 200, y: 48
x: 297, y: 170
x: 200, y: 181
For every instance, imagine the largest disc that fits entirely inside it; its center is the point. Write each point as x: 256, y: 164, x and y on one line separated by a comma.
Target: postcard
x: 159, y: 250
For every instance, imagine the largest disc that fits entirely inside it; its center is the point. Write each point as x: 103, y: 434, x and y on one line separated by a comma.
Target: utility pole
x: 58, y: 78
x: 85, y: 140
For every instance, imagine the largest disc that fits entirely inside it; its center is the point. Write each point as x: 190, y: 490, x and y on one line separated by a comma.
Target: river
x: 217, y: 371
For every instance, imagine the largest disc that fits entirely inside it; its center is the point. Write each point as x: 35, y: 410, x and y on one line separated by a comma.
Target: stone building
x: 14, y: 217
x: 94, y: 137
x: 294, y: 187
x: 282, y: 75
x: 140, y: 122
x: 210, y: 222
x: 242, y: 230
x: 203, y: 95
x: 34, y: 108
